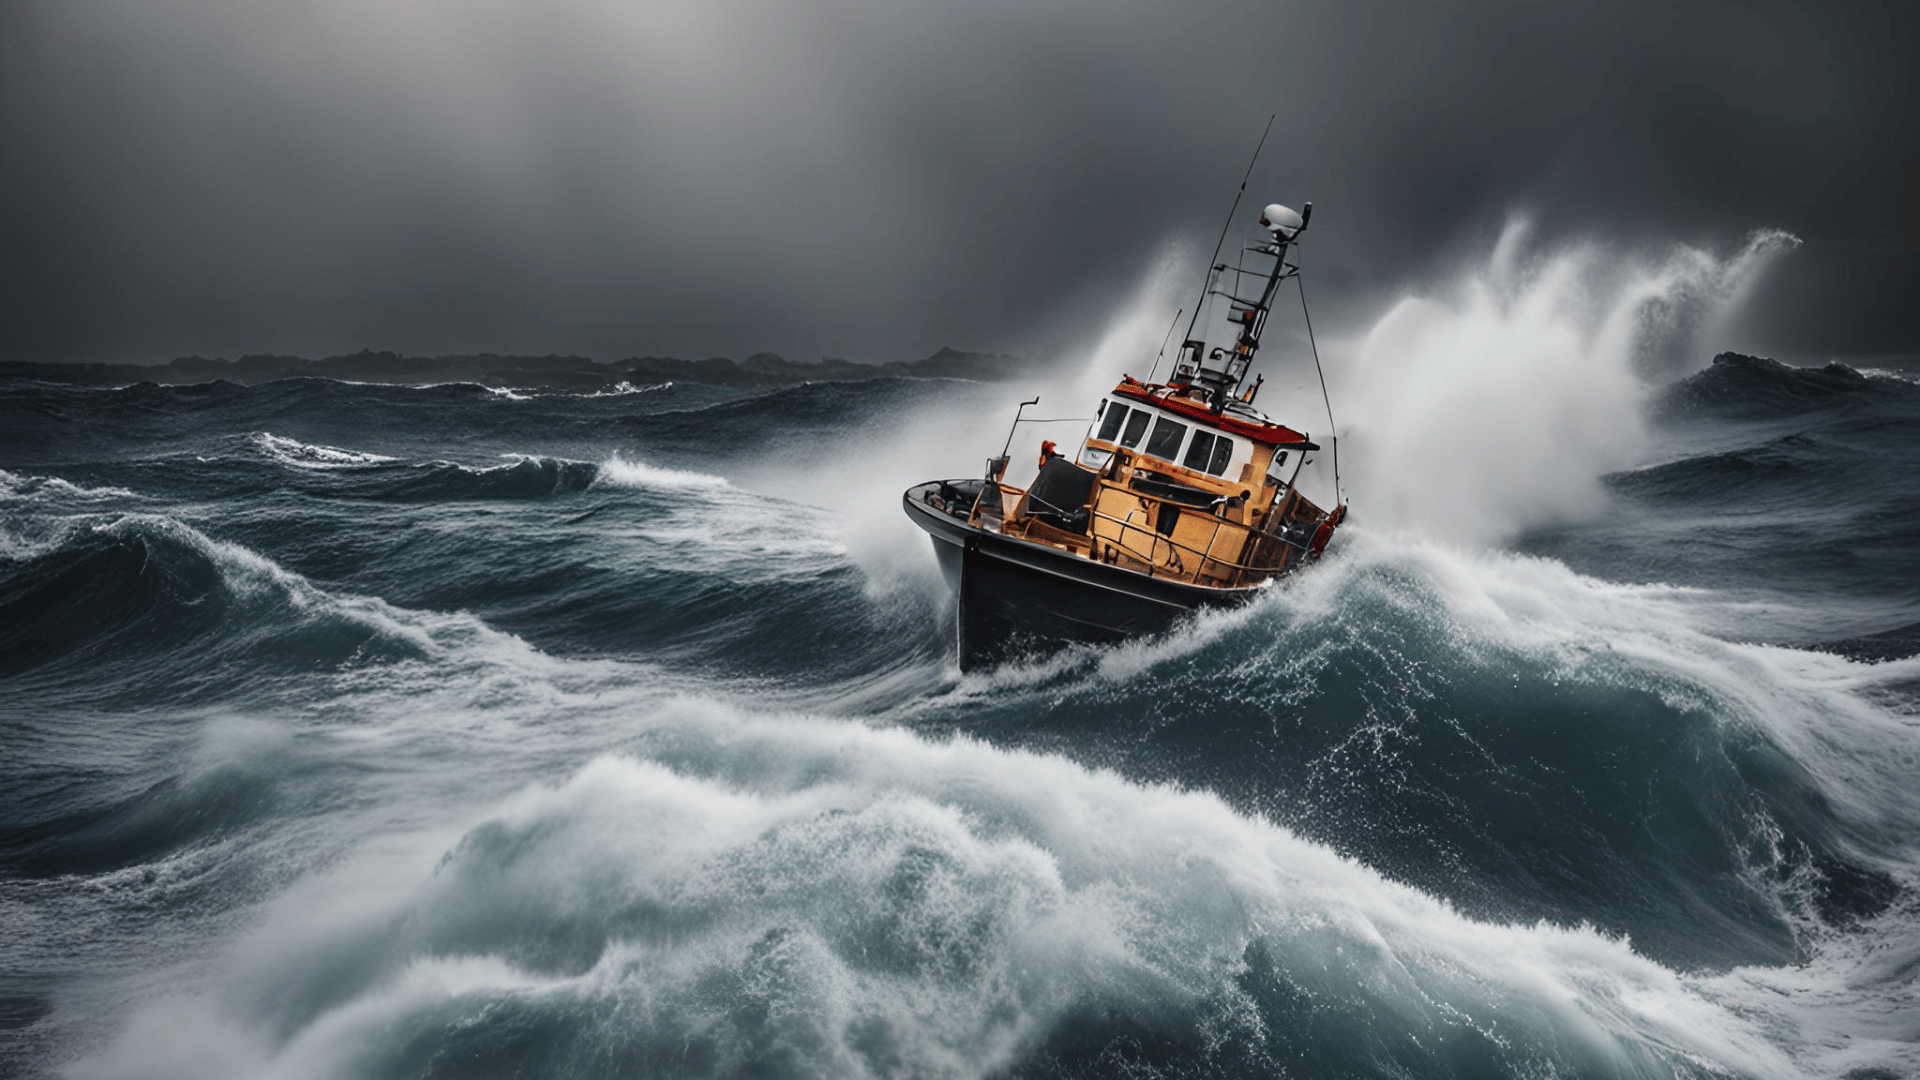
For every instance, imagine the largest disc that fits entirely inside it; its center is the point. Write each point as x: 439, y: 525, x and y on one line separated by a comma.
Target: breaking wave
x: 617, y: 471
x: 794, y: 896
x: 1497, y: 409
x: 302, y: 456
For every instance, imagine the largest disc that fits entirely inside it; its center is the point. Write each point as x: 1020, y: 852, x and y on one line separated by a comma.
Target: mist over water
x: 365, y: 731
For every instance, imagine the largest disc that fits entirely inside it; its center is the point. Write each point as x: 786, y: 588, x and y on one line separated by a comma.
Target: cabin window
x: 1200, y: 451
x: 1277, y: 469
x: 1164, y: 443
x: 1136, y: 425
x: 1222, y: 453
x: 1209, y: 453
x: 1111, y: 425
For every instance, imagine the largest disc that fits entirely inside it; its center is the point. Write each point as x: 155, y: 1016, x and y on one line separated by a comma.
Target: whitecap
x: 618, y: 471
x: 306, y: 456
x: 42, y: 489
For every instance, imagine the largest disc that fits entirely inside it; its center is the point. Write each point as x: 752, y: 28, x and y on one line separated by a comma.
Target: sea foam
x: 818, y: 899
x: 305, y: 456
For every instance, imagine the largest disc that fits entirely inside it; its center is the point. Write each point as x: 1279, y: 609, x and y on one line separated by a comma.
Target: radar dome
x: 1281, y: 220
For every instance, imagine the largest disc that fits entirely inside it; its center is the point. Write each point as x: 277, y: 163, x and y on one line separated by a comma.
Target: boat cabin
x: 1164, y: 485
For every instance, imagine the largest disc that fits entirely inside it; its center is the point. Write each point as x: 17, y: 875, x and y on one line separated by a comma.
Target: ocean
x: 406, y: 731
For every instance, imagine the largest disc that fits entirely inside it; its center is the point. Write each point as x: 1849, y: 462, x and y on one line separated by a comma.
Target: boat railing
x: 1235, y: 573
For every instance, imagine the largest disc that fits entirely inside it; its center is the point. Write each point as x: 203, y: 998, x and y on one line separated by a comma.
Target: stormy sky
x: 873, y: 179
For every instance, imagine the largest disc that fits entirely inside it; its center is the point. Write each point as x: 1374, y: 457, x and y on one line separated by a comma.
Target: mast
x: 1220, y: 371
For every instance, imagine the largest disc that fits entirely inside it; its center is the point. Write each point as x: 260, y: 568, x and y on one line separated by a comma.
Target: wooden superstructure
x: 1173, y: 514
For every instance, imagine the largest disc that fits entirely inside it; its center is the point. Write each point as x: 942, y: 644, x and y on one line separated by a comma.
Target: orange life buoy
x: 1325, y: 532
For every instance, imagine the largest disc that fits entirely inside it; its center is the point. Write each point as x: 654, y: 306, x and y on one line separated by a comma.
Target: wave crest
x: 307, y: 456
x: 618, y: 471
x: 147, y: 600
x: 795, y: 897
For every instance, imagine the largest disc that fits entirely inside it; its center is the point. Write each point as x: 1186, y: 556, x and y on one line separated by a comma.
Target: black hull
x: 1017, y: 598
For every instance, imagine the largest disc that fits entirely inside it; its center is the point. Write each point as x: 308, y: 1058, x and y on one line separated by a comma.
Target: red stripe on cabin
x: 1270, y: 434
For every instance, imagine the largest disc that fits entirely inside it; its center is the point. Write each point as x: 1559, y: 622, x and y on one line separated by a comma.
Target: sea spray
x: 621, y: 471
x: 952, y: 434
x: 1496, y: 407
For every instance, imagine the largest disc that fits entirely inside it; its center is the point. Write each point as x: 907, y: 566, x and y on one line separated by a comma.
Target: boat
x: 1182, y: 494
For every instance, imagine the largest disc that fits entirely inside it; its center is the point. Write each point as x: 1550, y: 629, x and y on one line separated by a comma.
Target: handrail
x: 1151, y: 557
x: 1204, y: 557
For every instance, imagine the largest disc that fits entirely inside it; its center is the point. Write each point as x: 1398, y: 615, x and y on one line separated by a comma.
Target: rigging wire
x: 1163, y: 343
x: 1339, y: 490
x: 1228, y: 224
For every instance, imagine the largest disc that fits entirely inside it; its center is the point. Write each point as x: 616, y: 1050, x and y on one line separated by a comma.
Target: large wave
x: 799, y: 897
x: 731, y: 889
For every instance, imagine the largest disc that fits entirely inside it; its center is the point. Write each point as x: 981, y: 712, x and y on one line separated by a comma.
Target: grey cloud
x: 876, y: 179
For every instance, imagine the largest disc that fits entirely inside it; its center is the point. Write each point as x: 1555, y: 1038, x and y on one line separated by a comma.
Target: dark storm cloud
x: 877, y: 179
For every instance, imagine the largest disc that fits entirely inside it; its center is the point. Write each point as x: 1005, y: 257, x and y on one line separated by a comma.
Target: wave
x: 627, y: 389
x: 752, y: 890
x: 783, y: 895
x: 1479, y: 415
x: 641, y: 559
x: 127, y: 835
x: 1786, y: 467
x: 530, y: 476
x: 520, y: 476
x: 1750, y: 386
x: 1444, y: 716
x: 1897, y: 643
x: 53, y: 424
x: 20, y: 488
x: 804, y: 412
x: 144, y: 604
x: 303, y: 456
x: 1894, y: 374
x: 618, y: 471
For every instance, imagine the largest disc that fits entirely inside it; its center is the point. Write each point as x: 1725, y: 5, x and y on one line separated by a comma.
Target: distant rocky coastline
x: 538, y: 372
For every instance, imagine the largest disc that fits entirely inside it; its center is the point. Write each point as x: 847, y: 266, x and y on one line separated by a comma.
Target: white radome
x: 1281, y: 220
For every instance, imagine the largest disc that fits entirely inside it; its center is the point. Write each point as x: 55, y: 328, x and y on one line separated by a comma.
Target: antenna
x: 1228, y: 224
x: 1005, y: 450
x: 1163, y: 343
x: 997, y: 467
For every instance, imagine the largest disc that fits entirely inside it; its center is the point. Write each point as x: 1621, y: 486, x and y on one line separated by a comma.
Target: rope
x: 1228, y: 224
x: 1339, y: 490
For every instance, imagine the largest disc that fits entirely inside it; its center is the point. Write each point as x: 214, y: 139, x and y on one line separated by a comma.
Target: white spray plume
x: 954, y: 435
x: 1497, y: 408
x: 1135, y: 335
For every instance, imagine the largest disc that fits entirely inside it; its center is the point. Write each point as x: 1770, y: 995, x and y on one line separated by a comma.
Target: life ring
x: 1325, y: 532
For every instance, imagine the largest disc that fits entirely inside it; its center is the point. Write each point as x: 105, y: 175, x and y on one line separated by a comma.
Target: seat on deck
x: 1059, y: 495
